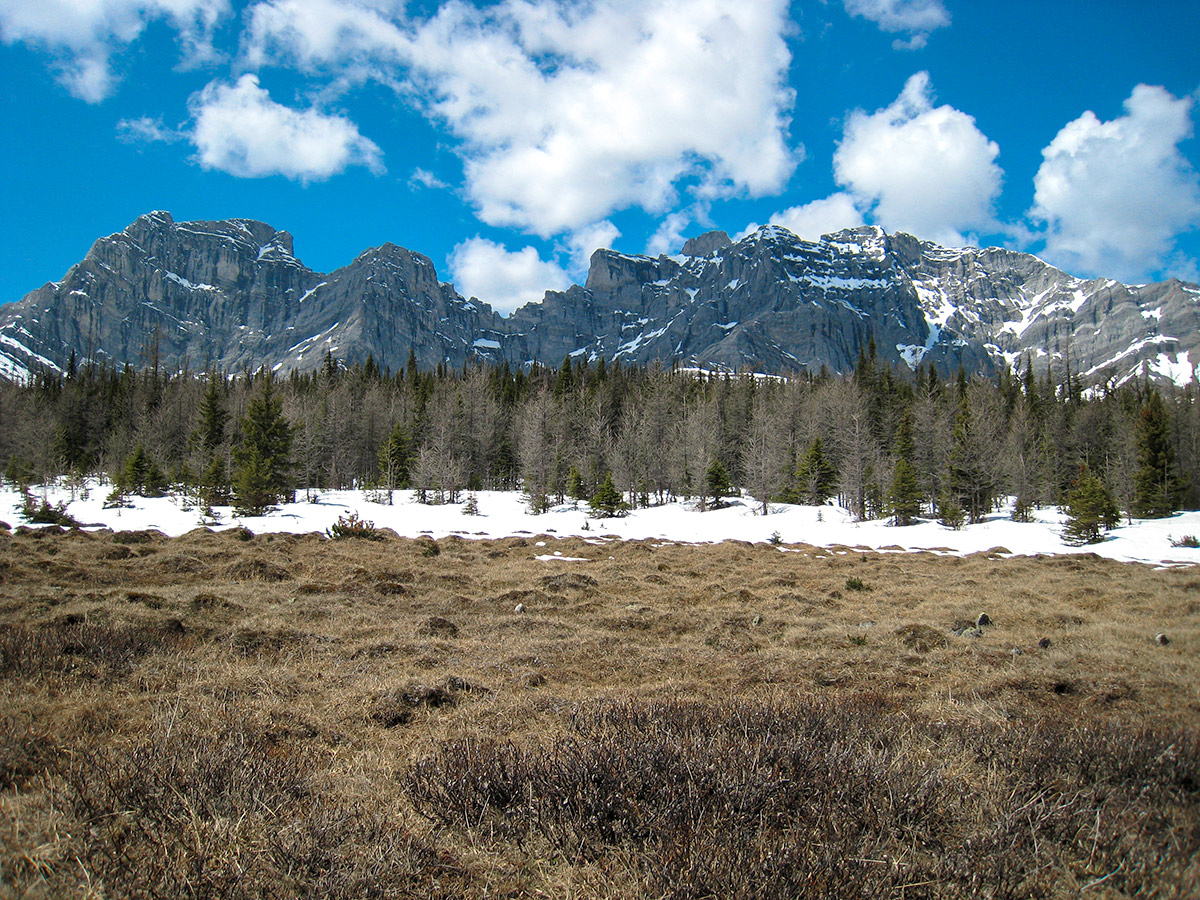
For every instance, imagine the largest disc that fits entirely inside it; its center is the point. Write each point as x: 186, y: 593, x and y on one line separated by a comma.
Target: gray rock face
x: 232, y: 295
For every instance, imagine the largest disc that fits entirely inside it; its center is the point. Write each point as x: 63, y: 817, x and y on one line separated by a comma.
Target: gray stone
x: 232, y: 294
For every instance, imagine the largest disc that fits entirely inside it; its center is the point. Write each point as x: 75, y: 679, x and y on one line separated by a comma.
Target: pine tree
x: 1089, y: 507
x: 607, y: 502
x: 904, y: 496
x: 263, y: 473
x: 816, y: 476
x: 575, y: 488
x: 716, y: 482
x: 1155, y: 482
x: 210, y: 430
x: 395, y: 460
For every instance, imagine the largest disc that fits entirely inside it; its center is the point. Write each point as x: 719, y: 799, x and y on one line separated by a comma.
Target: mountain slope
x: 232, y: 294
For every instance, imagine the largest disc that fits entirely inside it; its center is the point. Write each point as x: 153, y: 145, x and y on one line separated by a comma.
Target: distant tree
x: 904, y: 495
x: 263, y: 457
x: 395, y: 460
x: 1156, y: 482
x: 716, y: 482
x: 575, y: 488
x: 209, y: 434
x: 816, y: 476
x: 1090, y: 507
x: 141, y: 475
x: 607, y: 501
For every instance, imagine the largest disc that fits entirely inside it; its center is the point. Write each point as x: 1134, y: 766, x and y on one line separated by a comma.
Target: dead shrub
x: 256, y: 569
x: 738, y: 799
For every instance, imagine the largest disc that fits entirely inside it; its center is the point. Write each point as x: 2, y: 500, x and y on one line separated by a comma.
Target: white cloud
x: 145, y: 130
x: 426, y: 179
x: 825, y: 216
x: 503, y: 279
x: 239, y: 129
x: 924, y: 169
x: 83, y: 35
x: 919, y: 17
x: 567, y: 112
x: 583, y: 242
x: 1114, y: 195
x: 362, y: 37
x: 670, y: 237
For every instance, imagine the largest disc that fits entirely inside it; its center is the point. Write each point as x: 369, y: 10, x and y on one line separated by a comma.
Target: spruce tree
x: 904, y: 496
x: 1155, y: 482
x: 716, y: 482
x: 263, y: 465
x: 607, y: 501
x: 816, y: 476
x: 210, y: 430
x: 1090, y: 507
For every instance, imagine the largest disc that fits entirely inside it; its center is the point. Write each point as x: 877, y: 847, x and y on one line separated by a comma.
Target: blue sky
x: 508, y: 140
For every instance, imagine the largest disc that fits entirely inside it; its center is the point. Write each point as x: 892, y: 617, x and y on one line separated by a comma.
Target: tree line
x: 882, y: 442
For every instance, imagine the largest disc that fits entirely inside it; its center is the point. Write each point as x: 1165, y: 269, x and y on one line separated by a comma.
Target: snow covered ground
x: 505, y: 514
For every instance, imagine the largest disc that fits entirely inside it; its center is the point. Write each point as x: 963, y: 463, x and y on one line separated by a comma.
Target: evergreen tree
x: 210, y: 430
x: 395, y: 460
x: 816, y: 476
x: 1090, y: 507
x: 607, y: 501
x: 575, y: 488
x: 1156, y: 483
x: 716, y: 482
x: 904, y: 496
x: 263, y: 473
x: 214, y: 484
x: 141, y: 475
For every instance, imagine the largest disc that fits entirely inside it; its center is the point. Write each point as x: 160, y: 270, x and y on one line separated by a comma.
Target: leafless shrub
x: 839, y: 799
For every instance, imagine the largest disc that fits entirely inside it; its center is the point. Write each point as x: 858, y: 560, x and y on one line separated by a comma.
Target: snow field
x: 505, y: 514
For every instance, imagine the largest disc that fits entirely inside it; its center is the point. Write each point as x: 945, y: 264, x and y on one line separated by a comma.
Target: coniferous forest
x: 883, y: 443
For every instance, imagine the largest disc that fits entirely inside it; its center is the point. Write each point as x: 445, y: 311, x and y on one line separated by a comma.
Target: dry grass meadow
x: 230, y: 715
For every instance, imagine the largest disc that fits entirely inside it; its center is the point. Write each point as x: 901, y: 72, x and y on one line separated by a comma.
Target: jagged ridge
x: 233, y: 295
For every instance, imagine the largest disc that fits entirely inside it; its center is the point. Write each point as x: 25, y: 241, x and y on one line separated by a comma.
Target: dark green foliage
x: 716, y: 482
x: 952, y: 514
x: 213, y: 489
x: 607, y: 502
x: 43, y: 512
x: 351, y: 526
x: 141, y: 475
x: 973, y: 440
x: 263, y: 473
x: 854, y: 583
x: 210, y: 431
x: 1156, y: 480
x: 1090, y: 509
x: 395, y: 458
x: 904, y: 496
x: 816, y: 476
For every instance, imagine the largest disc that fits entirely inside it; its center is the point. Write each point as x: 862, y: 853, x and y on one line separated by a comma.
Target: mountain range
x: 233, y: 295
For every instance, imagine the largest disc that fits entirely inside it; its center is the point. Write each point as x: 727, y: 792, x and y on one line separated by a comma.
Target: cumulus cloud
x: 239, y: 129
x: 504, y: 279
x: 923, y: 169
x: 917, y: 17
x: 567, y: 112
x: 583, y: 242
x: 825, y: 216
x: 82, y: 36
x: 1113, y: 195
x: 670, y: 237
x: 362, y: 38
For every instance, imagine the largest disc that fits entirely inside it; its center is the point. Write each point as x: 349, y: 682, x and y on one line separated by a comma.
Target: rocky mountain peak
x: 707, y: 244
x: 232, y: 294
